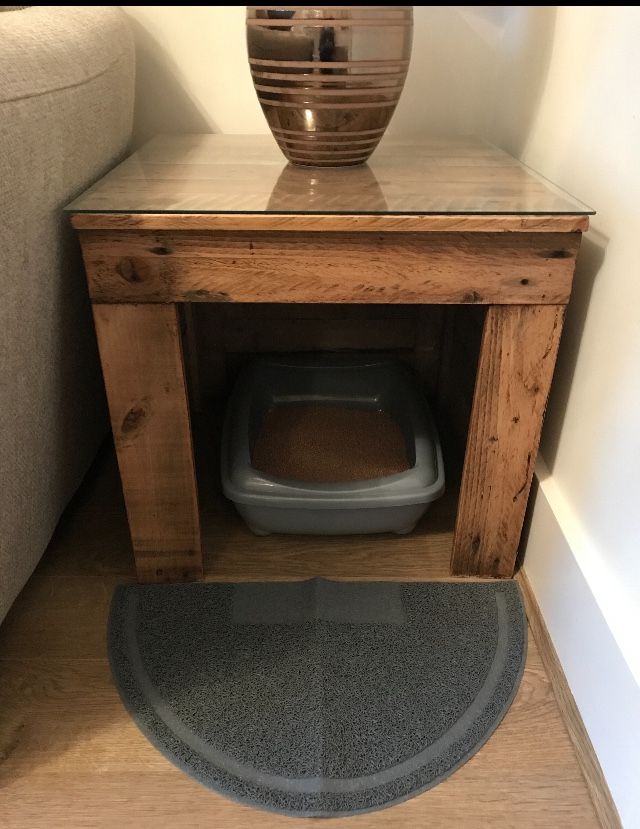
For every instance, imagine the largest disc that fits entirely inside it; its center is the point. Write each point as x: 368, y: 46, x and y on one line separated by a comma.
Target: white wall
x: 193, y: 73
x: 556, y: 86
x: 585, y: 135
x: 603, y: 684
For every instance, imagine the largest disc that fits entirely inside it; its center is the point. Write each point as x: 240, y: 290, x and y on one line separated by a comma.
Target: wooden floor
x: 70, y: 756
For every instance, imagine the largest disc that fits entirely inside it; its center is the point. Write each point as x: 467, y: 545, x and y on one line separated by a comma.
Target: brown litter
x: 314, y: 442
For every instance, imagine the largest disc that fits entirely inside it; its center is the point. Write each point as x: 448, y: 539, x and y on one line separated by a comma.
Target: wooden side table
x: 223, y: 219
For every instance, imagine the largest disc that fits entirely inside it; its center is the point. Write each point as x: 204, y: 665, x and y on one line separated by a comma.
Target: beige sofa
x: 66, y: 102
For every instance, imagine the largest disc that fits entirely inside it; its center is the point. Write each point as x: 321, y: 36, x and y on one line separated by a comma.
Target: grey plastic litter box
x: 393, y: 503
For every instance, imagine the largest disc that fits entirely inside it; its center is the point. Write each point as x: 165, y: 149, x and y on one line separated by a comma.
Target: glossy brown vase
x: 329, y: 78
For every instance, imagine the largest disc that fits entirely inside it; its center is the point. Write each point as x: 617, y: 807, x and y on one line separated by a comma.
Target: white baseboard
x: 601, y: 679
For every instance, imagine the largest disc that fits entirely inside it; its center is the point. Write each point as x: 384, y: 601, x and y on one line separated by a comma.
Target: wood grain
x: 189, y: 266
x: 585, y: 754
x: 443, y: 221
x: 282, y: 333
x: 389, y: 223
x: 459, y: 351
x: 517, y: 358
x: 209, y: 342
x: 191, y: 353
x: 71, y: 756
x: 141, y: 355
x: 227, y: 333
x: 457, y: 179
x: 427, y: 345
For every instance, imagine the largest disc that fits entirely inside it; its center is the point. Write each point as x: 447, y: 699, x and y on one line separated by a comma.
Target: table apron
x: 138, y: 266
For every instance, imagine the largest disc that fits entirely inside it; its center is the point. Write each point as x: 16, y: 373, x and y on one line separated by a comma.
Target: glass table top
x: 238, y: 174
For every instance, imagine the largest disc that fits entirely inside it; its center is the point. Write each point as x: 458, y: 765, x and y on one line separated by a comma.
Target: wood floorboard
x: 70, y: 755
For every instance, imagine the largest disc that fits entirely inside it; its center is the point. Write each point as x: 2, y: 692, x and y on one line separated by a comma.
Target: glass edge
x: 555, y: 188
x: 150, y: 211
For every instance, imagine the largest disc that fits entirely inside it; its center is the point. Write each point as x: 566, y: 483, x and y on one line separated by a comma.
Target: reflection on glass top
x: 248, y: 174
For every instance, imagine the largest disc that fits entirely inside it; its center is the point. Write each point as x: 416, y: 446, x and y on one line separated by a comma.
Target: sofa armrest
x: 48, y: 48
x: 66, y: 109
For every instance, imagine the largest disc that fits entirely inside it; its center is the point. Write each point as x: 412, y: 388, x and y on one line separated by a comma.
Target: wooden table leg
x: 517, y: 358
x: 141, y: 354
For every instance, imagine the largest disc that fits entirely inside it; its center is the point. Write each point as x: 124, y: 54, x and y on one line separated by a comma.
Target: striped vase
x: 328, y: 78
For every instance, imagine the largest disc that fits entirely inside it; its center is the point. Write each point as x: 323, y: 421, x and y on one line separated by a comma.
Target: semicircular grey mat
x: 318, y: 698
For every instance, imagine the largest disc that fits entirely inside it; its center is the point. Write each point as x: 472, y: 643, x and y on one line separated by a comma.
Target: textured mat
x: 318, y: 698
